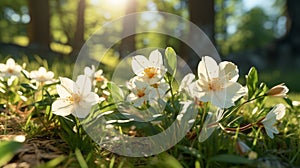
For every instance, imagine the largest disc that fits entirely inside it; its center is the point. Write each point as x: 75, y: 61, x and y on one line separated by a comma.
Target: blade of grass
x: 80, y: 159
x: 7, y: 151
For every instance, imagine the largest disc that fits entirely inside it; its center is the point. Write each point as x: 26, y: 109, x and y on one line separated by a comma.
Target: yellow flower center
x: 74, y: 98
x: 11, y: 71
x: 215, y: 84
x: 141, y: 92
x: 99, y: 79
x: 150, y: 72
x: 155, y: 85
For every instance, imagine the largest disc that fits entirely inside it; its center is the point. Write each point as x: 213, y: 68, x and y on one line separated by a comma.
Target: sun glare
x: 117, y: 3
x: 111, y: 3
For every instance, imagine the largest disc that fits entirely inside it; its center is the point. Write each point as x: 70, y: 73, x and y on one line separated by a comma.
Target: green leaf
x: 52, y: 163
x: 165, y: 160
x: 7, y: 151
x: 251, y: 81
x: 171, y: 60
x: 116, y: 92
x: 80, y: 159
x: 289, y: 102
x: 28, y: 86
x: 228, y: 158
x: 191, y: 151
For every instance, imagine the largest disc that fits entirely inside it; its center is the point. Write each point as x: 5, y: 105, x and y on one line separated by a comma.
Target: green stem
x: 239, y: 106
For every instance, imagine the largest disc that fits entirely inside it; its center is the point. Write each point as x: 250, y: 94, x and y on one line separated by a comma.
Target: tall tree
x: 293, y: 35
x: 129, y: 26
x: 78, y: 40
x: 39, y: 26
x: 285, y: 49
x: 201, y: 13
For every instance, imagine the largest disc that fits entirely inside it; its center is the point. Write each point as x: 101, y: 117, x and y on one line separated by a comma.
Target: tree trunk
x: 78, y: 40
x: 284, y: 51
x: 201, y: 14
x: 129, y: 26
x: 39, y: 27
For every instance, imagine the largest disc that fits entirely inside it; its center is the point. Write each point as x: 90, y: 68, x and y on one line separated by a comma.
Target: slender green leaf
x: 228, y: 158
x: 7, y: 151
x: 251, y: 81
x: 52, y: 163
x: 116, y: 92
x: 80, y: 159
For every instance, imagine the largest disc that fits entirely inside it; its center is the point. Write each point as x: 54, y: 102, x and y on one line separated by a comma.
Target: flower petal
x: 139, y: 101
x: 92, y: 98
x: 62, y: 91
x: 270, y: 131
x: 186, y: 81
x: 42, y: 70
x: 208, y: 68
x: 84, y: 84
x: 89, y: 71
x: 229, y: 71
x: 81, y: 112
x: 50, y: 75
x: 234, y: 91
x: 62, y: 108
x: 139, y: 63
x: 10, y: 62
x: 279, y: 110
x: 156, y: 58
x: 68, y: 84
x: 219, y: 99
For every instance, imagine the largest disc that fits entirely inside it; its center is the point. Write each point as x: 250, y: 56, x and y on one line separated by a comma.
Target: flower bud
x: 279, y: 91
x: 242, y: 148
x: 252, y: 155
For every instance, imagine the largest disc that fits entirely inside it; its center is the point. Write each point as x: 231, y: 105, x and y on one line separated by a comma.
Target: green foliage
x: 52, y: 163
x: 171, y: 60
x: 227, y: 158
x: 219, y: 150
x: 116, y: 92
x: 80, y: 159
x: 165, y: 160
x: 252, y: 81
x: 7, y: 151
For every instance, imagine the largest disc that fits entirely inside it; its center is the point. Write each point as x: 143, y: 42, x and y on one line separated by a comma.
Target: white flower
x: 76, y: 98
x: 188, y: 85
x: 296, y: 103
x: 140, y: 92
x: 217, y: 83
x: 158, y: 90
x: 42, y: 75
x: 276, y: 113
x: 10, y: 68
x: 90, y: 72
x: 96, y: 76
x: 152, y: 70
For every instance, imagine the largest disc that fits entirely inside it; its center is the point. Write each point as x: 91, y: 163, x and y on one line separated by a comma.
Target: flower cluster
x: 148, y: 85
x: 218, y: 85
x: 216, y: 92
x: 13, y: 76
x: 77, y: 98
